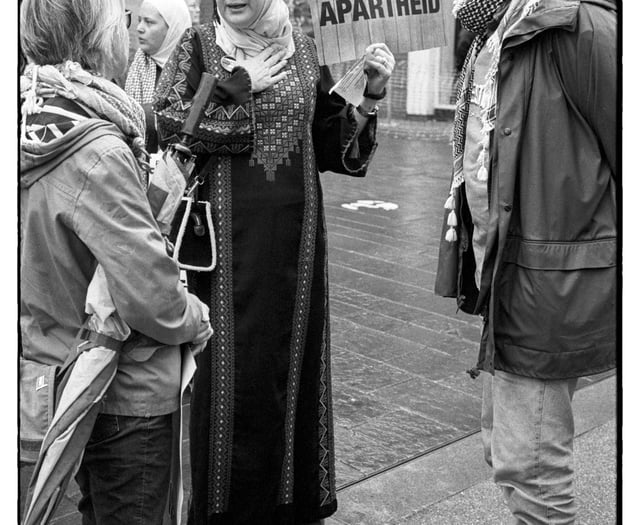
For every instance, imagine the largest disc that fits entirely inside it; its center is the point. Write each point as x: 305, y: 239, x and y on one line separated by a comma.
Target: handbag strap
x: 96, y: 339
x: 197, y: 179
x: 85, y: 340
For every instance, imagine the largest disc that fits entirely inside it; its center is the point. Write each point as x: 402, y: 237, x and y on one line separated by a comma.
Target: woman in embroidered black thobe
x: 261, y: 424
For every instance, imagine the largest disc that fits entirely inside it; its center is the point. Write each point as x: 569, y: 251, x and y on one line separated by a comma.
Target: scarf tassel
x: 450, y: 204
x: 452, y: 220
x: 451, y: 235
x: 482, y: 174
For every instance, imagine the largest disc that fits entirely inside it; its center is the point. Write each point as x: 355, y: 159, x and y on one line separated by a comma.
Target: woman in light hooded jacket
x: 83, y: 202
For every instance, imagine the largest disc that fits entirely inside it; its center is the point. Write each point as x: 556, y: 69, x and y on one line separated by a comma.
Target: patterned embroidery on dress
x: 283, y: 113
x: 173, y: 84
x: 308, y: 65
x: 232, y: 126
x: 326, y: 451
x: 223, y: 130
x: 222, y: 347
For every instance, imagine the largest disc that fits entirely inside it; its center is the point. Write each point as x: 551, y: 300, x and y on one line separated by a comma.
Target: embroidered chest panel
x: 283, y: 113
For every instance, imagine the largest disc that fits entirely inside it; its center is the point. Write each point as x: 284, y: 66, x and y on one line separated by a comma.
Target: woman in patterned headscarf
x: 161, y: 23
x: 261, y: 416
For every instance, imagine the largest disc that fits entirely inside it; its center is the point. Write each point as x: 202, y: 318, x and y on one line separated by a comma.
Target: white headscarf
x: 141, y: 79
x: 176, y: 15
x: 271, y: 26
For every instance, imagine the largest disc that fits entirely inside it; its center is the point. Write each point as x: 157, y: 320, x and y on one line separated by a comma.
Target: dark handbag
x: 193, y: 236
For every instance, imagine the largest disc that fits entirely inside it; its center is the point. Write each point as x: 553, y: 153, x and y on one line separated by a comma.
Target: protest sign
x: 344, y: 28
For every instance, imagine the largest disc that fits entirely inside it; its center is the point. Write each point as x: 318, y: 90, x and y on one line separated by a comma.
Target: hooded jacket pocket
x: 37, y: 406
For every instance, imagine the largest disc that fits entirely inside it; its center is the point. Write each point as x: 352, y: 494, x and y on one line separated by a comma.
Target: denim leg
x: 25, y: 471
x: 531, y: 446
x: 124, y: 475
x: 486, y: 416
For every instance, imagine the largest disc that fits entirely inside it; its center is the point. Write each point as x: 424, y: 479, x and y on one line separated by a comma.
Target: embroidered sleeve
x: 227, y: 126
x: 337, y: 147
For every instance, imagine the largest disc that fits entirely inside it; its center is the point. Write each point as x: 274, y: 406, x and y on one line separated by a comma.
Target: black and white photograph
x: 319, y: 262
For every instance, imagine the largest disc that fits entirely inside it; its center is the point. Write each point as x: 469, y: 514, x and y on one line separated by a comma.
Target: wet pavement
x: 453, y: 485
x: 399, y: 352
x: 400, y: 390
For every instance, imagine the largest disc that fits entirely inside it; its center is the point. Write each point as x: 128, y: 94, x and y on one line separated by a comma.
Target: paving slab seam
x: 422, y: 252
x: 335, y: 212
x: 464, y: 365
x: 398, y: 243
x: 472, y: 321
x: 416, y: 414
x: 340, y: 215
x: 585, y: 431
x: 368, y: 224
x: 392, y: 262
x: 338, y: 222
x: 339, y: 347
x: 381, y: 259
x: 362, y: 226
x: 461, y: 338
x: 454, y: 319
x: 392, y: 243
x: 414, y: 457
x: 371, y: 219
x: 390, y: 364
x: 413, y: 376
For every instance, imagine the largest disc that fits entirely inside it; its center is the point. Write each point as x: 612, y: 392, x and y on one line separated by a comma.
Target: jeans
x: 25, y: 471
x: 527, y: 434
x: 124, y: 475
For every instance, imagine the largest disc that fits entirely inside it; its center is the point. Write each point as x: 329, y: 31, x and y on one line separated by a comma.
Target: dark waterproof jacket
x: 548, y: 285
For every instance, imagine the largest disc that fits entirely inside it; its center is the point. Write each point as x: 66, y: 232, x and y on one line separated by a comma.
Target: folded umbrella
x: 69, y: 431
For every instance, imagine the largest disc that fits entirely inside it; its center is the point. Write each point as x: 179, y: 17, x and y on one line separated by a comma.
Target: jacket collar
x: 549, y: 14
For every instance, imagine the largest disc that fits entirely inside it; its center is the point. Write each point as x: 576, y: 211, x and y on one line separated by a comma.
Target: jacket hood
x: 553, y: 14
x: 37, y: 159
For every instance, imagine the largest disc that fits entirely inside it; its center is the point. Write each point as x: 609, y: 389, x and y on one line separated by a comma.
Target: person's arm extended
x: 350, y: 131
x: 113, y: 219
x: 343, y: 142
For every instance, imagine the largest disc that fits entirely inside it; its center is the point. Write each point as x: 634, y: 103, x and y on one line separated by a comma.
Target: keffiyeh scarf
x: 475, y: 15
x: 141, y: 79
x: 517, y: 11
x: 99, y: 97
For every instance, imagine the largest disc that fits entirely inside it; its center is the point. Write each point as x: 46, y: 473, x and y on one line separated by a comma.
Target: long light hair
x: 90, y: 32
